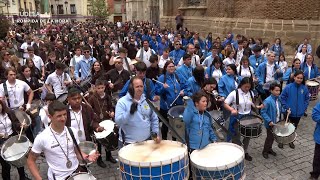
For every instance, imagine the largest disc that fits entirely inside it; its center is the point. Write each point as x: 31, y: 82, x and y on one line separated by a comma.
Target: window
x: 60, y: 9
x: 52, y: 9
x: 194, y: 2
x: 73, y: 9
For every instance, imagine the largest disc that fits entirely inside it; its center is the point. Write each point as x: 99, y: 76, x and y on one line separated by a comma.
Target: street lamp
x: 66, y: 4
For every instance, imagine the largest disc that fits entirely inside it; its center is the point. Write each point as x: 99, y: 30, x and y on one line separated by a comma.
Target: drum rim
x: 100, y: 124
x: 175, y: 107
x: 16, y: 136
x: 312, y: 82
x: 75, y: 174
x: 152, y: 164
x: 27, y: 115
x: 251, y: 115
x: 275, y: 127
x: 223, y: 167
x: 61, y: 95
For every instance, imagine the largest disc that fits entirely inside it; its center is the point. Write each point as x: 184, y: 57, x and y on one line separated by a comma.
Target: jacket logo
x: 302, y: 91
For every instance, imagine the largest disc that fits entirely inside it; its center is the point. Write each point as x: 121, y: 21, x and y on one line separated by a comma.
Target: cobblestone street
x: 288, y: 164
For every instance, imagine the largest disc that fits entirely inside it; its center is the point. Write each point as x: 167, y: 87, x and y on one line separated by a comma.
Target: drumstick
x: 158, y: 82
x: 37, y: 89
x: 84, y: 99
x: 174, y: 100
x: 24, y: 120
x: 288, y: 116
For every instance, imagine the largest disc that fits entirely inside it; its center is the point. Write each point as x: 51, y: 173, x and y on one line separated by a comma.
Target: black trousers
x: 108, y: 153
x: 295, y: 121
x: 316, y: 162
x: 164, y: 128
x: 269, y: 140
x: 6, y: 167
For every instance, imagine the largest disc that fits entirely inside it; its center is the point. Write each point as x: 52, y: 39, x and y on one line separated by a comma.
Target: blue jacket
x: 314, y: 71
x: 162, y: 47
x: 227, y: 84
x: 154, y: 45
x: 192, y: 120
x: 287, y: 74
x: 176, y: 55
x: 229, y: 40
x: 256, y: 61
x: 209, y: 71
x: 296, y: 97
x: 261, y: 74
x: 192, y: 86
x: 316, y: 118
x: 277, y: 49
x: 145, y: 37
x: 184, y: 72
x: 85, y: 68
x: 168, y: 95
x: 201, y: 43
x: 138, y: 126
x: 269, y: 112
x: 125, y: 88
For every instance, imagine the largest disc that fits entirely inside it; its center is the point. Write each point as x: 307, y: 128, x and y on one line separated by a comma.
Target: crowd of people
x: 79, y: 74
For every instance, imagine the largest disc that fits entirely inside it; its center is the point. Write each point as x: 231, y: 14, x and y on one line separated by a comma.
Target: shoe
x: 265, y: 155
x: 101, y: 163
x: 305, y: 114
x: 291, y: 145
x: 272, y: 153
x: 247, y: 157
x: 280, y: 145
x: 112, y: 160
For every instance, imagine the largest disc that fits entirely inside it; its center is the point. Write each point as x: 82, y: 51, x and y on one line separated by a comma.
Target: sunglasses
x: 178, y: 44
x: 86, y: 51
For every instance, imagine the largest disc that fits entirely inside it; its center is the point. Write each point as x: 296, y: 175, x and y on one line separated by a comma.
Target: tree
x: 4, y: 26
x: 98, y: 9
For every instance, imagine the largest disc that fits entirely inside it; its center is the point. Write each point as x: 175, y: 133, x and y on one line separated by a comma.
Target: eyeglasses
x: 178, y: 44
x: 86, y: 51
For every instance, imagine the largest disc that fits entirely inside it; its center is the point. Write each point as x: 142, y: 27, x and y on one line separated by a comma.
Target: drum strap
x: 76, y: 144
x: 6, y: 94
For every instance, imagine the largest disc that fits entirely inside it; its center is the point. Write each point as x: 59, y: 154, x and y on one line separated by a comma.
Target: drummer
x: 266, y: 72
x: 309, y: 68
x: 198, y: 122
x: 58, y: 146
x: 101, y: 104
x: 43, y: 113
x: 58, y: 81
x: 9, y: 125
x: 81, y: 116
x: 170, y: 89
x: 271, y: 114
x: 288, y: 76
x: 136, y: 121
x: 84, y: 65
x: 216, y: 69
x: 296, y: 97
x: 241, y: 100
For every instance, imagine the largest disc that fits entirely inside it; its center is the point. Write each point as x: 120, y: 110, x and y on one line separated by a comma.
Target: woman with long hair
x: 196, y: 81
x: 216, y: 69
x: 309, y: 68
x: 97, y: 72
x: 35, y: 72
x: 288, y: 76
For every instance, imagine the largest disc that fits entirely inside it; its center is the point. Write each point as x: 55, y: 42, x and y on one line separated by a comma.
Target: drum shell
x: 313, y: 90
x: 21, y: 162
x: 87, y: 147
x: 284, y: 139
x: 81, y: 176
x: 111, y: 141
x: 177, y: 122
x: 250, y: 131
x: 63, y: 98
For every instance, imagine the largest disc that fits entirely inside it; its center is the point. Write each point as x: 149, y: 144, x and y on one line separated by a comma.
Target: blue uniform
x: 227, y: 84
x: 313, y: 73
x: 176, y: 55
x: 256, y: 61
x: 287, y: 74
x: 184, y: 72
x: 192, y: 86
x: 296, y: 97
x: 198, y: 127
x: 316, y: 118
x: 261, y: 74
x: 84, y: 67
x: 269, y: 112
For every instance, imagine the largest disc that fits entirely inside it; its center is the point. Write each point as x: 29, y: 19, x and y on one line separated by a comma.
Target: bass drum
x: 109, y: 137
x: 82, y: 176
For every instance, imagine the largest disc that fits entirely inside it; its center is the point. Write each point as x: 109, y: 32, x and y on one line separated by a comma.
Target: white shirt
x: 309, y: 70
x: 301, y: 56
x: 270, y: 72
x: 239, y: 55
x: 163, y: 61
x: 24, y: 46
x: 228, y: 61
x: 45, y: 142
x: 44, y: 116
x: 278, y: 110
x: 15, y: 92
x: 245, y: 101
x: 37, y: 61
x: 5, y: 125
x: 124, y: 64
x: 217, y: 74
x: 195, y: 60
x: 77, y: 123
x: 146, y: 55
x: 57, y: 82
x: 115, y: 47
x: 75, y: 60
x: 283, y: 66
x: 245, y: 72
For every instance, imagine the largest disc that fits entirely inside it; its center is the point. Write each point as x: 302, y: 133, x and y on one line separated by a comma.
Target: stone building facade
x: 145, y: 10
x: 292, y: 20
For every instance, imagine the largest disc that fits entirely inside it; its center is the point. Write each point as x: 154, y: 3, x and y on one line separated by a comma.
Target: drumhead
x: 108, y: 126
x: 13, y: 149
x: 283, y: 129
x: 148, y: 153
x: 176, y: 111
x: 217, y: 156
x: 250, y: 120
x: 82, y: 176
x: 312, y: 83
x: 21, y: 116
x: 87, y: 147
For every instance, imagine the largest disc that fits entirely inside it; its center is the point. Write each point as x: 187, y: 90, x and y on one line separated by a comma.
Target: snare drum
x: 109, y: 137
x: 284, y: 133
x: 89, y: 148
x: 63, y: 98
x: 23, y: 116
x: 175, y: 116
x: 82, y: 176
x: 166, y: 160
x: 219, y: 161
x: 115, y: 98
x: 313, y: 87
x: 250, y: 126
x: 85, y: 84
x: 15, y: 151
